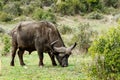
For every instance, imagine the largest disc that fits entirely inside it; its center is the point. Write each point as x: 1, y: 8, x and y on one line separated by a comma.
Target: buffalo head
x: 62, y: 53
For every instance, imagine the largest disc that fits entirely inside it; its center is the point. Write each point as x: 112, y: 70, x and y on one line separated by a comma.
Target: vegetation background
x: 93, y: 24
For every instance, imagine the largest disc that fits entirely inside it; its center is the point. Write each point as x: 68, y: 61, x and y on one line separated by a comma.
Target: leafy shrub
x: 6, y: 42
x: 40, y: 14
x: 84, y: 36
x: 95, y: 15
x: 69, y: 7
x: 108, y: 47
x: 4, y: 17
x: 13, y: 9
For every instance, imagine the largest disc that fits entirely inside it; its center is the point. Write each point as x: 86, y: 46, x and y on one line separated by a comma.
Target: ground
x: 33, y: 72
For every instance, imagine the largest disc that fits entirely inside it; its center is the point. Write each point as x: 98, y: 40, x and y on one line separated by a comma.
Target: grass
x: 48, y: 72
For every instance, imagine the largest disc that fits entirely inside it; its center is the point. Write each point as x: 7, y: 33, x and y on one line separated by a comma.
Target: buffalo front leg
x: 20, y: 55
x: 40, y: 54
x: 14, y: 49
x: 52, y: 59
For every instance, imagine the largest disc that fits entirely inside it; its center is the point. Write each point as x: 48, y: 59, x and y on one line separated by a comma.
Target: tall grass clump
x: 106, y: 55
x: 84, y: 35
x: 40, y: 14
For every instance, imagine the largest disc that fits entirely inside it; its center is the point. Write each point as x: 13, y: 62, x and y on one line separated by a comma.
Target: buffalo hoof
x: 12, y: 64
x: 22, y: 64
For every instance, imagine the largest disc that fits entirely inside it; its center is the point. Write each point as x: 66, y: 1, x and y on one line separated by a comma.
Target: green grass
x: 48, y: 72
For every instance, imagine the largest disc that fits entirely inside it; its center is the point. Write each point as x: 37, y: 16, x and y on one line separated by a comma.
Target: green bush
x: 13, y: 9
x: 4, y: 17
x: 40, y: 14
x: 7, y: 45
x: 84, y: 35
x: 108, y: 47
x: 69, y: 7
x: 47, y: 2
x: 95, y: 15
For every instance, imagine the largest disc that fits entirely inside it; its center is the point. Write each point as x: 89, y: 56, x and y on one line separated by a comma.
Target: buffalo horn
x: 73, y: 46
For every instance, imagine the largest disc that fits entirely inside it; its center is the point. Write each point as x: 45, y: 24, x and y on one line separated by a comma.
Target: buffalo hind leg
x: 20, y: 55
x: 52, y: 59
x: 14, y: 49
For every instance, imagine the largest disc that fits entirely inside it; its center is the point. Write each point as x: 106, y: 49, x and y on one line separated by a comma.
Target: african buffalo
x: 42, y: 37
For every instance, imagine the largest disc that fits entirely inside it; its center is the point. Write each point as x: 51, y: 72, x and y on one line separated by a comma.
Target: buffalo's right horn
x: 73, y: 46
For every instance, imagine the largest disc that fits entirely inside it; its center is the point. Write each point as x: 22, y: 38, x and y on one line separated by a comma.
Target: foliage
x: 64, y: 7
x: 69, y: 7
x: 6, y: 42
x: 95, y: 15
x: 40, y: 14
x: 107, y: 46
x: 13, y: 9
x: 84, y: 36
x: 4, y: 17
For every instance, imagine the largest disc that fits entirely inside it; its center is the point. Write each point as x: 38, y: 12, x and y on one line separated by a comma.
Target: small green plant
x: 108, y: 47
x: 41, y: 14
